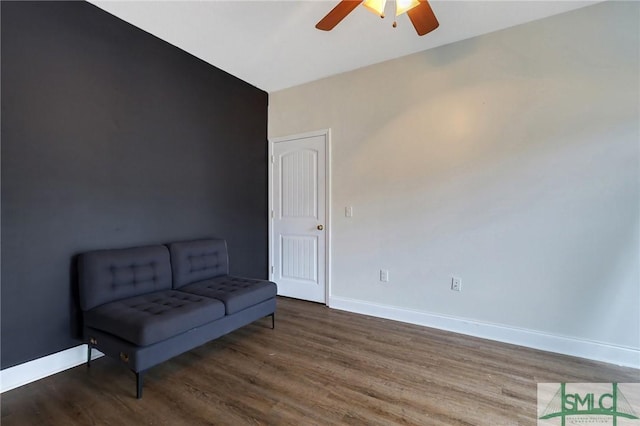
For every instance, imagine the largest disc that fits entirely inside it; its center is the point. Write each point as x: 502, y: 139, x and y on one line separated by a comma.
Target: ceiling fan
x: 419, y: 11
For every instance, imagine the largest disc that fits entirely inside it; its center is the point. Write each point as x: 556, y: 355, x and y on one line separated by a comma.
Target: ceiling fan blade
x: 337, y: 14
x: 423, y: 18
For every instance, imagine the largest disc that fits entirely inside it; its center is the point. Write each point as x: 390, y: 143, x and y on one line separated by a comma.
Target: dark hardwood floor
x: 318, y: 367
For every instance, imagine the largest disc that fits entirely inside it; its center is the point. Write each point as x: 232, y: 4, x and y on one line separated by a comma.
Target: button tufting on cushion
x: 236, y: 293
x: 194, y: 261
x: 110, y: 275
x: 151, y: 318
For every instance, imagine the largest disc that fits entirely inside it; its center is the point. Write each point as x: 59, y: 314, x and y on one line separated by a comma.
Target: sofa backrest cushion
x: 198, y: 260
x: 109, y: 275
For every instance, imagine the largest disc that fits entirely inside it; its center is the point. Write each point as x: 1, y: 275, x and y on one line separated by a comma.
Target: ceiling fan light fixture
x: 403, y: 6
x: 376, y: 6
x: 420, y: 13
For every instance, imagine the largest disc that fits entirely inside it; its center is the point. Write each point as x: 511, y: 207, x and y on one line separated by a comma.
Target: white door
x: 299, y: 235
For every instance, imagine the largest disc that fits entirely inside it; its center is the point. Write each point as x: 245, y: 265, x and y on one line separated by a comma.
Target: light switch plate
x: 348, y: 211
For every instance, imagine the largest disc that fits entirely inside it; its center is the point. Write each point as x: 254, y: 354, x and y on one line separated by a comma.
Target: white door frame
x: 327, y: 234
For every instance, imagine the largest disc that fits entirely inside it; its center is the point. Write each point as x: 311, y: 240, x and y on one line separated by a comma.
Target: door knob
x: 320, y: 227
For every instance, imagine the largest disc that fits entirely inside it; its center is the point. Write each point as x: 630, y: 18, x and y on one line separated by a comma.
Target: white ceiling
x: 273, y: 44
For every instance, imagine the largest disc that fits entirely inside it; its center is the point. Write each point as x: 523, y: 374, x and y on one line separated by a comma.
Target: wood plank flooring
x: 318, y: 367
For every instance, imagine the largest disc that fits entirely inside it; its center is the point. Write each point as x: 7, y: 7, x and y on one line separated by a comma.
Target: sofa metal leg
x: 89, y: 347
x: 139, y: 380
x: 273, y: 321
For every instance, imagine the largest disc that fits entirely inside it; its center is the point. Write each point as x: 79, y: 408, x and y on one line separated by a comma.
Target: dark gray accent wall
x: 114, y: 138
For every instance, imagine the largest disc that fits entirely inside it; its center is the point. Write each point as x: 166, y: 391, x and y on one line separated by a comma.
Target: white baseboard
x: 597, y: 351
x: 22, y: 374
x: 13, y: 377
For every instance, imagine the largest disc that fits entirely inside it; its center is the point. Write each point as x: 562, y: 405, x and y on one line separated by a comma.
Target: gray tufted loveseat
x: 145, y: 305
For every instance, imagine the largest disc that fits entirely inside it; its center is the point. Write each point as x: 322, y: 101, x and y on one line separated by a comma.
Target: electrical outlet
x: 456, y: 284
x: 384, y: 275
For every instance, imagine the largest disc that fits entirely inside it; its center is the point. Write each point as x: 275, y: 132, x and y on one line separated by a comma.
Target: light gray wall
x: 510, y: 160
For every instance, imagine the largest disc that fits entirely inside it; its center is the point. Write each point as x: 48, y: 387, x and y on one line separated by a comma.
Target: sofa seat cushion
x: 236, y: 293
x: 151, y: 318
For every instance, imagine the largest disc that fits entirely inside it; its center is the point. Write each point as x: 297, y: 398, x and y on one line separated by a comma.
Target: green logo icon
x: 588, y: 403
